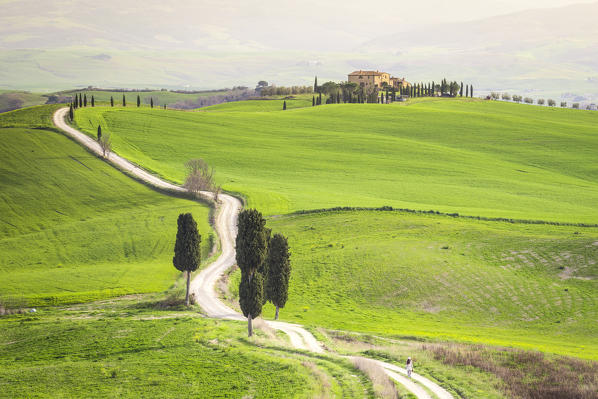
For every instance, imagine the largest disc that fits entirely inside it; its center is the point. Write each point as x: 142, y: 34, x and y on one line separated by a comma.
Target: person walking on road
x: 409, y: 366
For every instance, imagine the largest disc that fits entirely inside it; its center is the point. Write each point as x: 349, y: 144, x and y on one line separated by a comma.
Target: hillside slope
x: 403, y: 274
x: 74, y: 228
x: 472, y: 157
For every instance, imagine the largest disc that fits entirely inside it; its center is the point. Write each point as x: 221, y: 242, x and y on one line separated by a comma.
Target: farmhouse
x: 376, y: 79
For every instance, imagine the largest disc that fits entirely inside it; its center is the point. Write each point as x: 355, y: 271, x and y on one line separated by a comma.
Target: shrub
x: 563, y: 104
x: 551, y: 102
x: 517, y: 98
x: 575, y: 105
x: 540, y: 101
x: 494, y: 95
x: 528, y: 100
x: 526, y: 374
x: 506, y: 97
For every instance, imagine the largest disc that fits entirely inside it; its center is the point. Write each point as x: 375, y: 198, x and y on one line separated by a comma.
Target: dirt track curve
x: 203, y: 285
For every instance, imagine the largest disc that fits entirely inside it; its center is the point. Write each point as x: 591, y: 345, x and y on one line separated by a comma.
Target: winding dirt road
x: 203, y: 285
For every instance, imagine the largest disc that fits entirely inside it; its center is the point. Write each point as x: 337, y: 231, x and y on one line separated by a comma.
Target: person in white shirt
x: 409, y: 366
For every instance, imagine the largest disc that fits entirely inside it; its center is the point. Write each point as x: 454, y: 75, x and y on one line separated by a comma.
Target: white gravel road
x: 203, y: 285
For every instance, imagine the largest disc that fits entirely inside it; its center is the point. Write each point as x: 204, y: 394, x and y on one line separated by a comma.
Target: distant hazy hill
x: 540, y: 53
x: 552, y: 51
x: 575, y: 25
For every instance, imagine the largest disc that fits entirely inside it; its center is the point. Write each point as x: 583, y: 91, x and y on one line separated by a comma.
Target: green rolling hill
x: 466, y: 156
x: 75, y: 229
x: 394, y: 273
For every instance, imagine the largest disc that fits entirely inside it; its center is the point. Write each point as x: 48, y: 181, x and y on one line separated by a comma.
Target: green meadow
x: 72, y: 227
x: 160, y: 97
x: 129, y: 348
x: 266, y: 104
x: 472, y: 157
x: 401, y: 274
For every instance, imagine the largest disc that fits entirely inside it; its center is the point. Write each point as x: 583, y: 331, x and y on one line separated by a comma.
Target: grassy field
x: 266, y: 104
x: 129, y: 348
x: 395, y: 273
x: 160, y: 97
x: 14, y: 99
x: 72, y: 227
x: 528, y: 286
x: 468, y: 156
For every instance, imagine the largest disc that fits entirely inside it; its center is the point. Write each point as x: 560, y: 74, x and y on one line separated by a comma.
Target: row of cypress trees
x: 81, y: 101
x: 431, y: 89
x: 264, y: 261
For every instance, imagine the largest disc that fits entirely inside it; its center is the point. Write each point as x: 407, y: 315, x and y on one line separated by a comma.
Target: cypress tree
x: 284, y: 105
x: 278, y: 267
x: 138, y: 100
x: 99, y: 132
x: 187, y: 253
x: 251, y: 244
x: 467, y: 91
x: 338, y: 98
x: 71, y: 112
x: 152, y: 102
x: 471, y: 91
x: 461, y: 90
x: 320, y: 99
x: 124, y: 101
x: 316, y: 85
x: 111, y: 101
x: 85, y: 100
x: 93, y: 101
x: 251, y: 297
x: 80, y: 100
x: 313, y: 101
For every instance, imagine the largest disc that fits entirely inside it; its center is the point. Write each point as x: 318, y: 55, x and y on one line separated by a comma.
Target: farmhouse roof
x: 366, y: 73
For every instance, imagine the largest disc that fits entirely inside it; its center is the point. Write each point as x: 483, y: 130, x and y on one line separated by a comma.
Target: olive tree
x: 105, y: 144
x: 200, y: 176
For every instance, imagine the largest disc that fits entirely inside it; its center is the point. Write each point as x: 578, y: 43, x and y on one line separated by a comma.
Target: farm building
x: 376, y: 79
